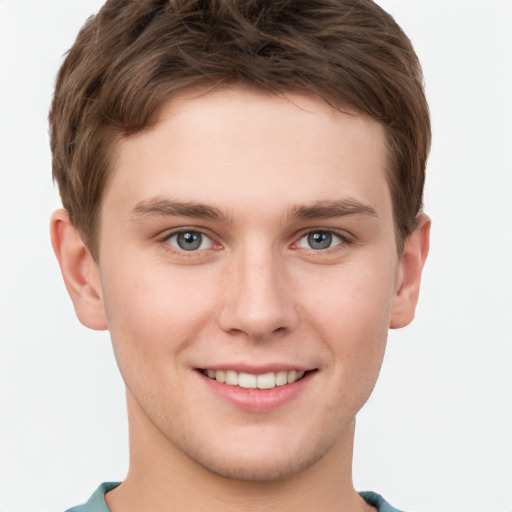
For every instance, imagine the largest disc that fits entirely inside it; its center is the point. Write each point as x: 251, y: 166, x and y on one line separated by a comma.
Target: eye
x: 189, y: 240
x: 320, y: 240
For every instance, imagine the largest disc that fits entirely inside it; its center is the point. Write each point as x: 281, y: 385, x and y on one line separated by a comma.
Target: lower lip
x: 258, y: 400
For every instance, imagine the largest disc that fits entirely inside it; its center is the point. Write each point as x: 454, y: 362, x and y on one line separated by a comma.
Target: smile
x: 249, y: 381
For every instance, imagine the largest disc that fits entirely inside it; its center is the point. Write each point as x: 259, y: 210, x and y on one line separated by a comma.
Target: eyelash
x: 183, y: 252
x: 344, y: 240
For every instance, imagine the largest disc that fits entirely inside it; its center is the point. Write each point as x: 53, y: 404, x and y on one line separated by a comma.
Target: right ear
x: 79, y: 270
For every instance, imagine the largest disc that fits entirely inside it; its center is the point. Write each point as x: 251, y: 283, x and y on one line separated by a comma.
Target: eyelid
x: 344, y: 237
x: 168, y: 234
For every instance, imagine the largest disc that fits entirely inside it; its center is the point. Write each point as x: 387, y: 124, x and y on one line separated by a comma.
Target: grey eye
x: 319, y: 240
x: 190, y: 241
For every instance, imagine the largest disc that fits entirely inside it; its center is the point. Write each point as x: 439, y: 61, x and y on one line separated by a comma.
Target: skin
x: 263, y: 174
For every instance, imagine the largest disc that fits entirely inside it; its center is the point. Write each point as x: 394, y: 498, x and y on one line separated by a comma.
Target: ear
x: 79, y: 270
x: 411, y: 266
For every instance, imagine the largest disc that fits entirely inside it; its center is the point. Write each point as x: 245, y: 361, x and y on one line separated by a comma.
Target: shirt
x: 97, y: 501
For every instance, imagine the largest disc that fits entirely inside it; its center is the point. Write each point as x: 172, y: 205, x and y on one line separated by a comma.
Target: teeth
x: 232, y: 378
x: 246, y: 380
x: 267, y: 381
x: 281, y: 378
x: 249, y: 381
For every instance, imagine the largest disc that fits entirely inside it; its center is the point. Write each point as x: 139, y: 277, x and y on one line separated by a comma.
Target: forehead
x: 231, y: 146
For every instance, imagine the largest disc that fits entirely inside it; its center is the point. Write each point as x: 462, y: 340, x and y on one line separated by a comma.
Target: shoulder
x: 378, y: 501
x: 96, y: 502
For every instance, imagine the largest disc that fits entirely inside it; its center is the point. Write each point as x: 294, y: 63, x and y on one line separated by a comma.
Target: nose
x: 257, y: 297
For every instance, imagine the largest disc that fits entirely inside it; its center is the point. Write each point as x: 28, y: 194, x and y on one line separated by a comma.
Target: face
x: 248, y: 270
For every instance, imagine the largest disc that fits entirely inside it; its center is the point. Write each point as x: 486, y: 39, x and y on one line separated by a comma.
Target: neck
x: 162, y: 478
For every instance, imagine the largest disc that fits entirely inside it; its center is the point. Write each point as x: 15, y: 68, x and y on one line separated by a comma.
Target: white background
x: 437, y: 433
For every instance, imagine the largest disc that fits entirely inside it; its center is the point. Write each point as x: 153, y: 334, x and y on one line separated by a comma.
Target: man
x: 242, y: 188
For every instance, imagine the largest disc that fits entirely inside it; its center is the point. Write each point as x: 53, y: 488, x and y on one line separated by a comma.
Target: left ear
x: 411, y: 266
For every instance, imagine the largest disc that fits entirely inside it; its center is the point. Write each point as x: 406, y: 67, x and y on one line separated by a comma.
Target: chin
x: 259, y: 461
x: 254, y: 469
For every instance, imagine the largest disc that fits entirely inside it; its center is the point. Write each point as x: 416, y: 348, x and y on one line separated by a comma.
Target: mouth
x: 245, y: 380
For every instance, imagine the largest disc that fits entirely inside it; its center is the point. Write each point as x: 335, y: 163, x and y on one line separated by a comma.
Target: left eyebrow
x: 332, y: 209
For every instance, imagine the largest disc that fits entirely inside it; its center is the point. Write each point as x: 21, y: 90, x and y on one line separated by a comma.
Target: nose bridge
x: 257, y: 301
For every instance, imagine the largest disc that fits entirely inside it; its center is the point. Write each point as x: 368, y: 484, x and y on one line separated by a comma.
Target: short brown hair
x: 135, y: 54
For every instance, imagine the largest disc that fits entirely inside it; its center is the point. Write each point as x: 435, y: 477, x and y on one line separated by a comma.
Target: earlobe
x: 411, y: 267
x: 79, y: 271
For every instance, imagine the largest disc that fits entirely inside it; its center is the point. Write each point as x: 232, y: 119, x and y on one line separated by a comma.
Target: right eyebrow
x: 161, y: 207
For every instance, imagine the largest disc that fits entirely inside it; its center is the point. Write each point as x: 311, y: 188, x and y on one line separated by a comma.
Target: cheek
x: 352, y: 318
x: 152, y: 298
x: 355, y: 298
x: 153, y: 317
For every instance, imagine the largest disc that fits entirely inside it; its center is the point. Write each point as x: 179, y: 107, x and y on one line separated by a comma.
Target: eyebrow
x: 160, y: 207
x: 333, y: 209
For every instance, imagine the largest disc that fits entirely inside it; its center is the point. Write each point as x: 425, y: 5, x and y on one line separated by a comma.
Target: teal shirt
x: 97, y: 502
